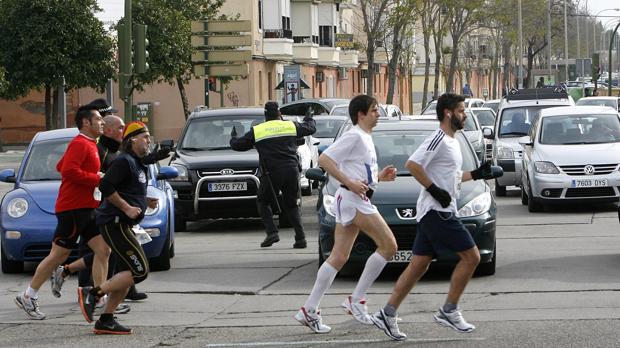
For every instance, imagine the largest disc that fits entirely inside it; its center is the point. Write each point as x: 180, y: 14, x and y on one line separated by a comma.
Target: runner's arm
x: 418, y: 173
x: 331, y: 167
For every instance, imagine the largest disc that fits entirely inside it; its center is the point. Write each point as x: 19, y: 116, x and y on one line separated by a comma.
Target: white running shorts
x: 348, y: 204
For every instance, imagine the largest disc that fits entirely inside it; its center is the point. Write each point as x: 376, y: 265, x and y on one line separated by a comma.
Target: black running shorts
x: 130, y: 255
x: 73, y: 224
x: 441, y: 231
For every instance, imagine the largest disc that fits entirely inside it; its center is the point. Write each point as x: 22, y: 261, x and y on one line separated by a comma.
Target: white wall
x: 327, y: 14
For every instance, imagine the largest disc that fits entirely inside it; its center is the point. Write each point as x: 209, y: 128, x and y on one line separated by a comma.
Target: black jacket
x: 278, y: 151
x: 108, y: 150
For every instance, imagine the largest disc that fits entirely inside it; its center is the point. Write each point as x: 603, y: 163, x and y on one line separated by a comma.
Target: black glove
x: 309, y: 114
x: 442, y: 196
x: 486, y: 171
x: 233, y: 132
x: 162, y: 153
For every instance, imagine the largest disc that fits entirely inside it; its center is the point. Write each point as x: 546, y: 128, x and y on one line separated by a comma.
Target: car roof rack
x: 558, y: 92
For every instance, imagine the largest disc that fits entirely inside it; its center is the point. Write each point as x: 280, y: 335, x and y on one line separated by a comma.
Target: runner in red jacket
x: 77, y: 198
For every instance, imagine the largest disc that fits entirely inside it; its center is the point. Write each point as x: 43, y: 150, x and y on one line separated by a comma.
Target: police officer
x: 276, y: 141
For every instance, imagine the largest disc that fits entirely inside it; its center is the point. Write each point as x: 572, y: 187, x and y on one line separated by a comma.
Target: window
x: 326, y: 36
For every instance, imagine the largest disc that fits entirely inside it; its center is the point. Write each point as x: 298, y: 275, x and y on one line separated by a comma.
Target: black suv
x: 215, y: 181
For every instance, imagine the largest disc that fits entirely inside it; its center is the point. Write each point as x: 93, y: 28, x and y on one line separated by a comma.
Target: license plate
x: 227, y: 186
x: 402, y: 256
x: 590, y: 183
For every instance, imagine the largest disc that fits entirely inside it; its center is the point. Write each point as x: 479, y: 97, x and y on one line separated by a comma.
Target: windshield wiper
x: 513, y: 133
x: 193, y: 148
x: 218, y: 148
x: 43, y: 179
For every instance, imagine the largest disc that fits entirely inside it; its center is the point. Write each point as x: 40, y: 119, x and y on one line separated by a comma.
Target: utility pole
x: 126, y: 70
x: 520, y: 53
x: 565, y: 42
x: 549, y: 39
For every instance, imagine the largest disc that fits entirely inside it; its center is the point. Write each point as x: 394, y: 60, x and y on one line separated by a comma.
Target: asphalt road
x: 556, y: 286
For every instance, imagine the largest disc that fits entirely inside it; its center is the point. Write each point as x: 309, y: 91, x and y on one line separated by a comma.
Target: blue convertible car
x: 27, y: 220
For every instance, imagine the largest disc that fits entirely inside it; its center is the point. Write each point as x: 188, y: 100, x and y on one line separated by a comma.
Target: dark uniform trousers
x: 285, y: 180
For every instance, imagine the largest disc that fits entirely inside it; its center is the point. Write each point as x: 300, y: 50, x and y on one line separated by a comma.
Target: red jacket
x: 78, y: 168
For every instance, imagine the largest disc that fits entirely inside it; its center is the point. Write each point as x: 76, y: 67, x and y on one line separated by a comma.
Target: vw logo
x: 589, y: 170
x: 227, y: 171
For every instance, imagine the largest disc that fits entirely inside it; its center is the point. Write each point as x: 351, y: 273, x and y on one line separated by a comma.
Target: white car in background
x: 308, y: 157
x: 572, y: 154
x: 431, y: 107
x: 612, y: 102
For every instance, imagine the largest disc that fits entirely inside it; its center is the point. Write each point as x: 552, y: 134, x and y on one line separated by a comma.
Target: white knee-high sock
x: 324, y: 279
x: 374, y: 266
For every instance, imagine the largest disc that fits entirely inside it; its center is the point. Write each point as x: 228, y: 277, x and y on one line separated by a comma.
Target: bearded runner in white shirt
x: 436, y: 164
x: 353, y: 162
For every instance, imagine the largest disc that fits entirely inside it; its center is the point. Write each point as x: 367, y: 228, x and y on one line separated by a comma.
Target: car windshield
x: 395, y: 147
x: 516, y: 122
x: 586, y: 129
x: 470, y: 124
x: 41, y: 163
x: 491, y: 105
x: 485, y: 117
x: 333, y: 102
x: 213, y: 133
x: 597, y: 102
x: 327, y: 128
x: 431, y: 108
x: 343, y: 110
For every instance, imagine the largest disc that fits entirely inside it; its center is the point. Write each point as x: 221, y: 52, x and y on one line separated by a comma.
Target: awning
x: 303, y: 84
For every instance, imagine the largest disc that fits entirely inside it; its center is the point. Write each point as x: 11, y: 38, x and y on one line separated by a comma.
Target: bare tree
x: 374, y: 14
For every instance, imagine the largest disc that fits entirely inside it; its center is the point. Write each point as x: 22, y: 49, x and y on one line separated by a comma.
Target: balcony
x: 349, y: 59
x: 329, y: 56
x: 278, y: 44
x: 306, y: 52
x: 381, y: 56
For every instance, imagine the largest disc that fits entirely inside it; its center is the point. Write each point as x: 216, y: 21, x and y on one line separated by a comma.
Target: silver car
x: 572, y: 154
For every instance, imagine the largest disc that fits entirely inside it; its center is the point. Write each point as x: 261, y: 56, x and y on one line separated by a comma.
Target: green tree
x: 49, y: 40
x: 170, y: 49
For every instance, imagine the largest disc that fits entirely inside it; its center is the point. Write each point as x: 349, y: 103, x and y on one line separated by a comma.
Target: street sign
x: 222, y: 56
x: 222, y: 70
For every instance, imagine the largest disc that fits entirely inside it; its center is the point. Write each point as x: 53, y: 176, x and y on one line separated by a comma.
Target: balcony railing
x: 277, y: 34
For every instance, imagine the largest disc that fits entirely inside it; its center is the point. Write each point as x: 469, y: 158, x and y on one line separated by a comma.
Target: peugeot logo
x: 227, y: 171
x: 406, y: 213
x: 589, y: 170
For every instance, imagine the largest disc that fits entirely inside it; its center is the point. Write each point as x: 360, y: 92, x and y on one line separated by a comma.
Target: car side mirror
x: 525, y: 141
x: 316, y: 174
x: 315, y: 141
x: 7, y: 175
x: 487, y: 132
x: 167, y: 172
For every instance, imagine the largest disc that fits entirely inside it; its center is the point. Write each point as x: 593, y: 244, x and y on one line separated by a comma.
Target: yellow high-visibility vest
x: 274, y: 129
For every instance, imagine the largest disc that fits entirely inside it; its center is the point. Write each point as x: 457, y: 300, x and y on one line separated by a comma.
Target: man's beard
x: 455, y: 123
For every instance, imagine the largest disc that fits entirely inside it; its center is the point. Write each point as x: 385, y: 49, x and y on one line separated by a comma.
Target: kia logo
x: 227, y: 171
x: 589, y: 170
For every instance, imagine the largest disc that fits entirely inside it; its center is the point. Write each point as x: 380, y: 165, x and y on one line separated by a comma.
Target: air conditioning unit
x: 343, y: 74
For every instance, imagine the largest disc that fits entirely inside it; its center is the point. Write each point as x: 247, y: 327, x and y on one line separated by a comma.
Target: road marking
x: 303, y: 343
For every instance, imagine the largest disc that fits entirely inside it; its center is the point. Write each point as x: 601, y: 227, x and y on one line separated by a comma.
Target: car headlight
x: 329, y: 203
x: 504, y: 152
x: 546, y: 168
x: 182, y: 173
x: 477, y: 206
x: 17, y: 207
x: 151, y: 211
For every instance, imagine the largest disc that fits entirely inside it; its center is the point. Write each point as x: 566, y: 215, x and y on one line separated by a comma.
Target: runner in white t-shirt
x: 353, y: 162
x: 436, y: 164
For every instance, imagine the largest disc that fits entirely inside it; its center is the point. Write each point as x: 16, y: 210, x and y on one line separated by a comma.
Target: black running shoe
x: 111, y: 327
x: 134, y: 295
x: 300, y: 244
x: 87, y: 302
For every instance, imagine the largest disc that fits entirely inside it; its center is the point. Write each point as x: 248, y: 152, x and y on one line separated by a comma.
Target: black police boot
x: 269, y: 240
x: 300, y: 244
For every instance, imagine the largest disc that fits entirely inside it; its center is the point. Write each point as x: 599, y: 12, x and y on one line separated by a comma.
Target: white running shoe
x: 453, y: 320
x: 30, y: 306
x: 57, y: 280
x: 388, y: 324
x: 122, y: 308
x: 358, y: 310
x: 313, y: 320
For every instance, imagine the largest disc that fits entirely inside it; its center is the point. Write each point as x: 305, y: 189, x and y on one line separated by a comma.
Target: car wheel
x: 488, y: 269
x: 180, y: 224
x: 10, y: 266
x: 500, y: 190
x: 533, y: 205
x: 161, y: 262
x: 524, y: 197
